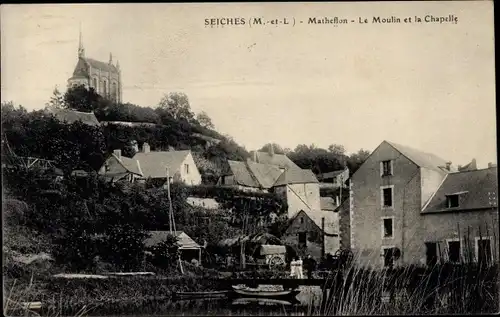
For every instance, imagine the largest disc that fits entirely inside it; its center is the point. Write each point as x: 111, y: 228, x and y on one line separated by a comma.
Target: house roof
x: 184, y: 241
x: 327, y: 203
x: 296, y: 176
x: 420, y: 158
x: 129, y: 164
x: 476, y: 190
x: 153, y: 164
x: 71, y: 116
x: 331, y: 219
x: 330, y: 174
x: 280, y: 160
x: 253, y: 174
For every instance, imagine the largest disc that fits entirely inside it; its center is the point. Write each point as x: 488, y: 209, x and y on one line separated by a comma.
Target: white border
x: 382, y: 196
x: 382, y: 256
x: 476, y: 247
x: 382, y: 227
x: 461, y: 256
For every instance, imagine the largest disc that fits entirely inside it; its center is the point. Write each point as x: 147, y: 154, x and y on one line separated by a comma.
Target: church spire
x: 110, y: 59
x: 81, y: 50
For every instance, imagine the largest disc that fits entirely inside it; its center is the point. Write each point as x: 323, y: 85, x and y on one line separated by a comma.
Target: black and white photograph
x: 249, y: 159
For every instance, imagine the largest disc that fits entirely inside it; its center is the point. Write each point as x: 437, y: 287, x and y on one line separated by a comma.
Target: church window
x: 94, y: 83
x: 114, y: 91
x: 104, y: 88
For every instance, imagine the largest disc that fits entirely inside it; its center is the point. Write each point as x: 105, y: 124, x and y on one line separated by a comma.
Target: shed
x: 184, y: 241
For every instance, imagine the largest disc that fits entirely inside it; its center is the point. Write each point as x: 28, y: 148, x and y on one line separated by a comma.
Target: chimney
x: 473, y: 165
x: 134, y: 145
x: 337, y: 201
x: 271, y: 149
x: 118, y: 153
x: 448, y: 165
x: 146, y: 148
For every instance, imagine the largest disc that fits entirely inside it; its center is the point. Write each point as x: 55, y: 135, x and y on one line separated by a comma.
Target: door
x: 484, y: 251
x: 431, y: 253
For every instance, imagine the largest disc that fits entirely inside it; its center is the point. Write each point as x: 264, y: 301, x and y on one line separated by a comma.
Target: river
x: 307, y: 303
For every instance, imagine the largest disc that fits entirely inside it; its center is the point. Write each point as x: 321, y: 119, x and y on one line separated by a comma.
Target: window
x: 301, y: 220
x: 454, y: 251
x: 431, y: 253
x: 387, y: 227
x: 452, y: 201
x: 387, y: 193
x: 104, y: 88
x: 94, y: 85
x: 386, y: 168
x: 388, y: 256
x: 302, y: 239
x: 483, y: 250
x: 186, y: 168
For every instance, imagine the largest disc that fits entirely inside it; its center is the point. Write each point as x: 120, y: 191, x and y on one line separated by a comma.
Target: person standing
x: 300, y: 273
x: 293, y: 268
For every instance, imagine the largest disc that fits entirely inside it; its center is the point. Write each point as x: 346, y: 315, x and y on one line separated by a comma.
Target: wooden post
x: 323, y: 237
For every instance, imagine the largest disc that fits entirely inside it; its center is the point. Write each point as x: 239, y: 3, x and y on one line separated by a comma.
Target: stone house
x: 180, y: 164
x: 411, y: 207
x: 313, y: 232
x: 118, y: 168
x: 282, y: 161
x: 250, y: 176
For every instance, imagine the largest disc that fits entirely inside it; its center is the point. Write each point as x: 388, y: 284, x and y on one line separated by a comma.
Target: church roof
x: 101, y: 65
x: 82, y: 67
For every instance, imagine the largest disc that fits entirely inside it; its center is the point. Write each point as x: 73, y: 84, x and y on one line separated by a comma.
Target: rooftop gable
x: 154, y: 164
x: 476, y: 189
x: 280, y: 160
x: 296, y: 176
x: 70, y: 116
x: 421, y: 158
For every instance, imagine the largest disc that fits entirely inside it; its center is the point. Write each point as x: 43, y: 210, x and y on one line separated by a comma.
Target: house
x: 282, y: 161
x: 188, y: 248
x: 335, y: 179
x: 250, y: 176
x: 412, y: 207
x: 71, y: 116
x: 313, y: 232
x: 117, y: 167
x: 300, y: 190
x: 180, y: 164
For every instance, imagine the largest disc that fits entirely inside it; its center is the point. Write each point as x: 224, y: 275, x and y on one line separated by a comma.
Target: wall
x: 430, y: 180
x: 442, y: 226
x: 344, y: 225
x: 291, y: 236
x: 100, y: 76
x: 366, y: 210
x: 194, y: 176
x: 301, y: 197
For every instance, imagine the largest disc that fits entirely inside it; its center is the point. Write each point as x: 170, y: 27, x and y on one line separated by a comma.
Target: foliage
x: 165, y: 253
x: 80, y: 98
x: 176, y: 105
x: 204, y: 120
x: 56, y: 101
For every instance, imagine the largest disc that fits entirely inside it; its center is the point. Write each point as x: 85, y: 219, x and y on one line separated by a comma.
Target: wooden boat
x: 270, y: 294
x: 264, y: 301
x: 208, y: 294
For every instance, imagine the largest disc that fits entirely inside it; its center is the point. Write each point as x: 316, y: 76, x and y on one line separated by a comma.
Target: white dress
x: 300, y: 273
x: 293, y: 268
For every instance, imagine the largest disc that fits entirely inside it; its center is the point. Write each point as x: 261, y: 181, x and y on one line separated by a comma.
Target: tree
x: 56, y: 101
x: 356, y: 159
x: 176, y: 104
x: 276, y: 148
x: 80, y: 98
x: 336, y: 149
x: 204, y: 120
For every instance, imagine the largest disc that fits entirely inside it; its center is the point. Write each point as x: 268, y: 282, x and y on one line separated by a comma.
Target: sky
x: 430, y: 86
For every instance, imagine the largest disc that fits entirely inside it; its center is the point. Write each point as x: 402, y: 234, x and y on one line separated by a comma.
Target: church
x: 104, y: 77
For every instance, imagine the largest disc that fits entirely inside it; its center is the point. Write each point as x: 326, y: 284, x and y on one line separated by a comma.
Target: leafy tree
x: 80, y: 98
x: 165, y: 253
x: 176, y: 105
x: 276, y: 148
x: 336, y: 149
x: 56, y: 101
x: 204, y: 120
